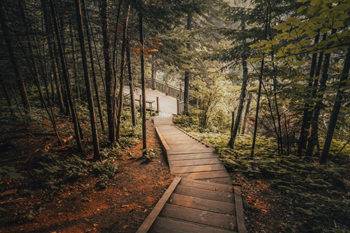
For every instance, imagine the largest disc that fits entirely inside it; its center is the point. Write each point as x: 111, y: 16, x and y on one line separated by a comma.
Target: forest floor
x: 285, y: 193
x: 49, y: 189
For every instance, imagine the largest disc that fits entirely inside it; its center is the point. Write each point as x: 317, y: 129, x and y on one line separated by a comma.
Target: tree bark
x: 306, y: 112
x: 143, y: 86
x: 257, y: 108
x: 336, y: 108
x: 66, y: 77
x: 89, y: 94
x: 131, y: 85
x: 187, y: 72
x: 235, y: 128
x: 108, y: 72
x: 92, y: 64
x: 246, y: 113
x: 121, y: 78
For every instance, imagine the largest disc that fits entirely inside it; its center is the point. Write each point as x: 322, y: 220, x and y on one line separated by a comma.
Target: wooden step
x: 194, y: 162
x: 213, y: 219
x: 202, y: 204
x: 205, y: 194
x: 168, y: 225
x: 206, y: 175
x: 207, y: 185
x: 201, y: 168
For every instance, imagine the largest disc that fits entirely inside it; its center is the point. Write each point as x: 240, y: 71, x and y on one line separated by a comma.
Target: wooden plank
x: 218, y: 180
x: 168, y: 225
x: 193, y: 151
x: 206, y: 175
x: 205, y: 194
x: 202, y: 168
x: 199, y: 216
x: 239, y: 210
x: 195, y: 162
x: 202, y: 204
x: 162, y: 140
x: 206, y: 185
x: 191, y: 156
x: 146, y: 225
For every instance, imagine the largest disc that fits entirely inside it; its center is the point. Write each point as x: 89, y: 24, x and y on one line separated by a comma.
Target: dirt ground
x: 121, y: 207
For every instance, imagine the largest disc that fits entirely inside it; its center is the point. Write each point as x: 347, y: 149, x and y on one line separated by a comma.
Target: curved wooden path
x: 201, y: 199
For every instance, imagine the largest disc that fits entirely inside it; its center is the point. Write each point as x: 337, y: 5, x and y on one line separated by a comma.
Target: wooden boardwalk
x: 202, y: 198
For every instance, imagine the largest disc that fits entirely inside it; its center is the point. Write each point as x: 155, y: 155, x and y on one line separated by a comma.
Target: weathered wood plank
x: 199, y: 216
x: 239, y: 210
x: 207, y: 185
x: 202, y: 204
x: 191, y: 157
x: 195, y: 162
x: 202, y: 168
x: 206, y: 194
x: 206, y: 175
x: 146, y: 225
x: 218, y: 180
x: 168, y: 225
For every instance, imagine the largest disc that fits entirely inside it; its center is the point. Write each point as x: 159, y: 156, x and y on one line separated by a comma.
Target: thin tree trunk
x: 336, y: 108
x: 131, y: 84
x: 246, y: 113
x: 235, y: 128
x: 108, y: 72
x: 257, y: 108
x: 187, y: 72
x: 8, y: 98
x: 20, y: 81
x: 121, y: 78
x: 143, y: 87
x: 318, y: 106
x: 306, y: 112
x: 92, y: 64
x: 89, y: 94
x: 74, y: 61
x: 115, y: 40
x: 66, y: 78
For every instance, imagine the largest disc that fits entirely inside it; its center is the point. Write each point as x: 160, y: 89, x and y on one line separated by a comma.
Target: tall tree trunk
x: 154, y: 72
x: 131, y: 84
x: 121, y: 78
x: 108, y: 72
x: 187, y: 72
x: 246, y: 113
x: 306, y: 112
x: 92, y: 64
x: 74, y: 61
x: 143, y: 86
x: 89, y: 94
x: 257, y: 108
x: 234, y: 131
x: 32, y: 62
x: 20, y: 81
x: 66, y: 77
x: 336, y: 108
x: 313, y: 139
x: 115, y: 40
x: 7, y: 97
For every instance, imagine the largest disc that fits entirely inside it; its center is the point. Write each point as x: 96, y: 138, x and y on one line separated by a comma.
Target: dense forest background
x: 266, y: 82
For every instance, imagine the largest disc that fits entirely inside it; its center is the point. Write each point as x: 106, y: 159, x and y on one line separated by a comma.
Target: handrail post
x: 157, y: 104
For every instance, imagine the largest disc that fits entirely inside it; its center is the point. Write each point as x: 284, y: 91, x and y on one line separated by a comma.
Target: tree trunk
x: 187, y: 72
x: 143, y: 87
x: 313, y: 139
x: 235, y: 128
x: 20, y: 81
x: 131, y: 84
x: 121, y: 78
x: 66, y: 77
x: 246, y: 113
x: 336, y: 108
x: 108, y: 72
x: 89, y: 94
x: 74, y: 61
x: 92, y: 64
x: 257, y: 108
x: 306, y: 112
